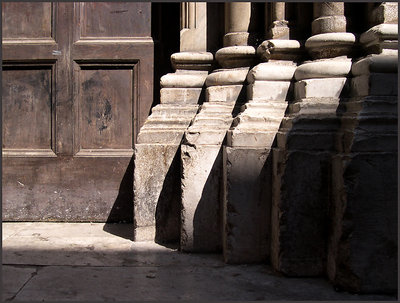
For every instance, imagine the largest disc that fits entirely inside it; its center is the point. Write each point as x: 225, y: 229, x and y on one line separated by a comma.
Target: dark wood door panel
x: 27, y: 108
x: 106, y: 107
x: 112, y: 20
x: 28, y: 31
x: 27, y: 20
x: 77, y: 86
x: 67, y: 189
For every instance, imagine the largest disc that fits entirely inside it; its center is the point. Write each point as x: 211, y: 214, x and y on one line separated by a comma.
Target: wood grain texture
x: 27, y: 20
x: 107, y: 19
x: 106, y: 108
x: 27, y: 108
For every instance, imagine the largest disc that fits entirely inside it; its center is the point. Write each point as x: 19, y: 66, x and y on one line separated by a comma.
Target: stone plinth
x: 299, y: 211
x: 157, y: 154
x: 192, y: 61
x: 301, y: 164
x: 330, y: 45
x: 362, y: 251
x: 201, y: 156
x: 381, y: 38
x: 276, y: 49
x: 247, y: 159
x: 154, y: 189
x: 236, y: 56
x: 246, y: 210
x: 156, y: 186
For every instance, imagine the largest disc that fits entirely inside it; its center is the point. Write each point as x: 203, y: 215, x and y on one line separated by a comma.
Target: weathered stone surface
x: 201, y: 156
x: 236, y: 56
x: 277, y: 49
x: 314, y: 88
x: 380, y: 37
x: 160, y: 135
x: 251, y: 138
x: 279, y: 30
x: 386, y: 12
x: 184, y: 79
x: 201, y: 210
x: 180, y: 95
x: 224, y: 93
x: 106, y: 265
x: 231, y: 76
x: 166, y: 124
x: 156, y: 192
x: 193, y: 33
x: 328, y: 9
x: 375, y: 64
x: 329, y: 24
x: 330, y: 45
x: 362, y: 251
x: 301, y: 167
x: 299, y: 212
x: 271, y: 71
x: 380, y: 32
x: 236, y: 39
x: 268, y: 90
x: 246, y: 209
x: 375, y: 84
x: 368, y: 124
x: 192, y: 60
x: 328, y: 68
x: 363, y: 248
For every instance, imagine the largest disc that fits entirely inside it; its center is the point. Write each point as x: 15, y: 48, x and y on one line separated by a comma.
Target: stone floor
x: 98, y: 262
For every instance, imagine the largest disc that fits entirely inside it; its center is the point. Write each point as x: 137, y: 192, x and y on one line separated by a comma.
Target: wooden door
x: 76, y: 87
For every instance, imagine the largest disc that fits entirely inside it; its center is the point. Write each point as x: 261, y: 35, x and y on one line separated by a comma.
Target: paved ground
x: 97, y: 262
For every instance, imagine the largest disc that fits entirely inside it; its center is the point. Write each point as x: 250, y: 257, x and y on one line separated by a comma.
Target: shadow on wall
x: 122, y: 210
x: 207, y: 219
x: 169, y: 205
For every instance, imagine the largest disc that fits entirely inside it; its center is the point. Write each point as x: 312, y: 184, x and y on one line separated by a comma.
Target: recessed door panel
x: 23, y: 20
x: 27, y: 108
x: 104, y: 19
x: 106, y: 108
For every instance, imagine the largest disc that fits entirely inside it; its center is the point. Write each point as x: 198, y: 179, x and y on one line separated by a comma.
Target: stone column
x: 362, y: 251
x: 193, y: 35
x: 237, y: 21
x: 157, y: 154
x: 201, y: 151
x: 279, y: 28
x: 302, y: 159
x: 246, y: 156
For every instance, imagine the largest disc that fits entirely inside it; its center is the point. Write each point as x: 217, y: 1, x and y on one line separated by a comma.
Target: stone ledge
x: 232, y: 76
x: 329, y: 24
x: 379, y: 33
x: 375, y: 64
x: 254, y: 138
x: 330, y: 45
x: 192, y: 60
x: 279, y: 50
x: 236, y: 56
x: 223, y: 93
x: 183, y: 80
x: 323, y: 69
x: 313, y: 88
x: 171, y: 95
x: 387, y: 12
x: 271, y: 71
x: 268, y: 90
x: 375, y: 84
